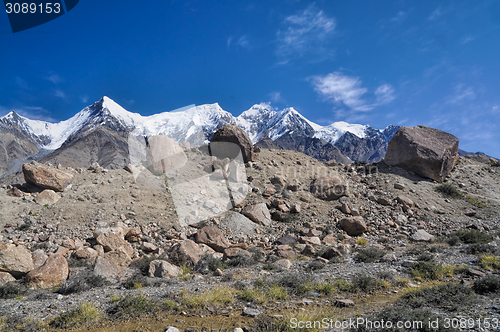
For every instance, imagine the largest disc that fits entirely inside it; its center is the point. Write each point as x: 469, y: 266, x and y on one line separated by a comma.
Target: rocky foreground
x: 81, y: 247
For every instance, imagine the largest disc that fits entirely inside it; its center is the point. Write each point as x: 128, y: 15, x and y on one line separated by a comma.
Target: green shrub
x: 296, y: 284
x: 252, y: 295
x: 489, y: 262
x: 472, y: 236
x: 369, y: 255
x: 447, y: 296
x: 449, y: 190
x: 366, y: 284
x: 474, y: 201
x: 481, y: 248
x: 82, y: 284
x: 132, y: 306
x: 427, y: 270
x: 487, y: 285
x: 84, y: 314
x: 12, y: 290
x: 277, y: 292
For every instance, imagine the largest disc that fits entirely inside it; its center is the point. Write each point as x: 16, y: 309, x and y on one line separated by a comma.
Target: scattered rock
x: 251, y: 312
x: 422, y: 235
x: 163, y: 269
x: 47, y: 197
x: 344, y: 303
x: 212, y: 237
x: 405, y: 201
x: 15, y: 260
x: 6, y: 277
x: 39, y: 258
x: 283, y: 263
x: 470, y: 212
x: 53, y: 273
x: 329, y: 187
x: 187, y: 252
x: 111, y: 242
x: 354, y: 226
x: 118, y: 257
x: 258, y: 213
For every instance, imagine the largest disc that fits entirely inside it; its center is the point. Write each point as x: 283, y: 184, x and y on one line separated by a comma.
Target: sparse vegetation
x: 132, y: 306
x: 252, y: 295
x: 447, y: 296
x: 82, y: 284
x: 474, y: 201
x: 277, y: 292
x: 361, y: 241
x: 369, y: 255
x: 487, y: 285
x: 11, y: 290
x: 449, y: 190
x: 84, y: 314
x: 489, y: 262
x: 425, y: 270
x: 471, y: 236
x: 220, y: 295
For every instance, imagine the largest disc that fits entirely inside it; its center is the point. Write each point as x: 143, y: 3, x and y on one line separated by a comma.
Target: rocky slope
x: 275, y: 235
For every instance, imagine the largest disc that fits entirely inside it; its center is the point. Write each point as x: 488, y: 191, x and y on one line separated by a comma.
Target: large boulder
x: 238, y: 224
x: 258, y: 213
x: 15, y: 260
x: 329, y: 187
x: 118, y: 257
x: 186, y: 253
x: 164, y: 155
x: 429, y: 152
x: 112, y: 242
x: 46, y: 177
x: 163, y: 269
x: 353, y: 226
x: 212, y: 237
x: 6, y: 277
x: 53, y: 273
x: 240, y: 143
x: 111, y: 273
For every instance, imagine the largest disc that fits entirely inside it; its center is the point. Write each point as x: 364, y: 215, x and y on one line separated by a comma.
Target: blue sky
x: 434, y: 63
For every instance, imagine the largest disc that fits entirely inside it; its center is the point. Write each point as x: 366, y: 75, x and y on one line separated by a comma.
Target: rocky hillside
x: 100, y: 237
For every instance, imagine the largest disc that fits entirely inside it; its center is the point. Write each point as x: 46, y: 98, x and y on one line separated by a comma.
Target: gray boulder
x: 429, y: 152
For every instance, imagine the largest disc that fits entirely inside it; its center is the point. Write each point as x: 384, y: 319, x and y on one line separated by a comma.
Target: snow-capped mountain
x: 105, y: 121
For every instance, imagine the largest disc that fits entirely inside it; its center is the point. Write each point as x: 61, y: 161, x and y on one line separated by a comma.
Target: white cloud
x: 306, y: 31
x: 466, y: 40
x: 462, y: 93
x: 400, y: 17
x: 275, y: 97
x: 240, y: 42
x: 342, y: 89
x: 435, y: 14
x: 54, y: 78
x: 60, y: 94
x: 21, y: 82
x: 84, y: 99
x: 384, y: 94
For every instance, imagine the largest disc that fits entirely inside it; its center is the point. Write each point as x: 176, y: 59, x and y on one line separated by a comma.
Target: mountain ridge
x: 287, y: 128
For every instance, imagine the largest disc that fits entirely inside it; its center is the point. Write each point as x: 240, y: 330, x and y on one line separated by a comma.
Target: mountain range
x: 99, y: 133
